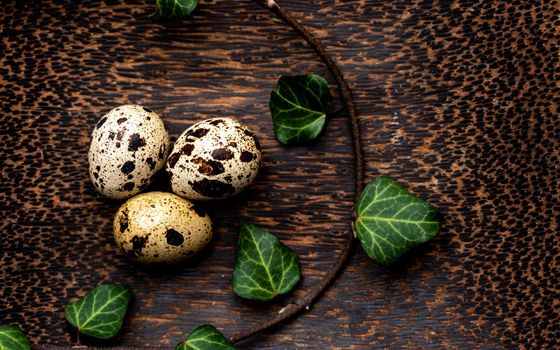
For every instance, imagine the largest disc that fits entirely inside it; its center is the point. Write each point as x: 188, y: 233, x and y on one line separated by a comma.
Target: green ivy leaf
x: 174, y: 9
x: 206, y: 337
x: 12, y: 338
x: 264, y: 267
x: 390, y: 220
x: 101, y: 312
x: 299, y: 105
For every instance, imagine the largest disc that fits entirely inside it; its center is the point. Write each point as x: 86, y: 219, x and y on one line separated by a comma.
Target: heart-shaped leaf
x: 11, y: 338
x: 264, y: 267
x: 206, y: 337
x: 174, y: 9
x: 390, y: 220
x: 101, y: 312
x: 299, y: 105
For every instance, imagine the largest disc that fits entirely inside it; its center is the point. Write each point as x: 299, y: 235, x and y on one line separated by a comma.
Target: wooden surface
x: 458, y: 101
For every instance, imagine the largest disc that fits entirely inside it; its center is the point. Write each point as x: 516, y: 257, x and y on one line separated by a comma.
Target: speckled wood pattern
x: 458, y: 100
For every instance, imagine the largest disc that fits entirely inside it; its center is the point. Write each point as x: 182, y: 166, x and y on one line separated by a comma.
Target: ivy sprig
x: 205, y: 337
x: 174, y: 9
x: 264, y: 266
x: 390, y: 220
x: 12, y: 338
x: 299, y: 107
x: 100, y: 313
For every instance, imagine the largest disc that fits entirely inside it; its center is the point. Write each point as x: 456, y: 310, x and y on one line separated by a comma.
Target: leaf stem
x: 298, y: 306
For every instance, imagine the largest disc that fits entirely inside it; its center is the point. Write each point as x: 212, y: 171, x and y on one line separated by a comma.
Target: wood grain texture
x: 458, y: 101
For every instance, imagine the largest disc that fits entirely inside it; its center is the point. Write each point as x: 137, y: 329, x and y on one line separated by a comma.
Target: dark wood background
x: 457, y: 100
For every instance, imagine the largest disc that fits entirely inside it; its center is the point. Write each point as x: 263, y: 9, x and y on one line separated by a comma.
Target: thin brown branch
x: 299, y: 305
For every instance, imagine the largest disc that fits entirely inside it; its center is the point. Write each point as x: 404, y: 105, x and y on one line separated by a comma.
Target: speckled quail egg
x: 128, y: 147
x: 161, y: 227
x: 214, y: 159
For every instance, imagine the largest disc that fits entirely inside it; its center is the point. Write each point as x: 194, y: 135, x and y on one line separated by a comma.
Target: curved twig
x: 299, y: 305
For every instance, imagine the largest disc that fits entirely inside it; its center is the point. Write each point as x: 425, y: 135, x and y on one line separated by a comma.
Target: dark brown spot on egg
x: 135, y: 142
x: 151, y: 163
x: 222, y: 154
x: 147, y: 110
x: 246, y: 156
x: 217, y: 122
x: 228, y: 179
x: 96, y: 175
x: 208, y: 167
x: 198, y: 210
x: 233, y: 144
x: 123, y: 222
x: 128, y: 167
x: 197, y: 132
x: 161, y: 153
x: 173, y: 159
x: 120, y: 134
x: 118, y: 144
x: 174, y: 238
x: 212, y: 188
x: 111, y: 135
x: 101, y: 122
x: 187, y: 149
x: 127, y: 187
x: 98, y: 168
x: 121, y: 120
x: 138, y: 243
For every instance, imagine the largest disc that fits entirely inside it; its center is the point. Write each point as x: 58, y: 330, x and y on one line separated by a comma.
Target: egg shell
x: 161, y: 227
x: 129, y: 146
x: 214, y: 159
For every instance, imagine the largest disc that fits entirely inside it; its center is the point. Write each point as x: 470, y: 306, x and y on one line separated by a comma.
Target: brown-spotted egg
x: 129, y: 145
x: 214, y: 159
x: 161, y: 227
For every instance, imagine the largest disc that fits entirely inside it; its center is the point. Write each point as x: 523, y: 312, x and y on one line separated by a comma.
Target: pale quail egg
x: 128, y: 146
x: 161, y: 227
x: 214, y: 159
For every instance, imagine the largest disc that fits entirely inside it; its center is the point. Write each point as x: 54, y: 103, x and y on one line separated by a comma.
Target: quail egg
x: 128, y: 147
x: 214, y: 159
x: 161, y: 227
